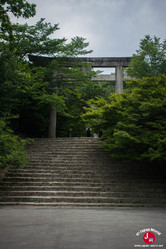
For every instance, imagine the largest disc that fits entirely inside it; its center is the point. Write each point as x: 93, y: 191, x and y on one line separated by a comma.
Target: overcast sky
x: 112, y: 27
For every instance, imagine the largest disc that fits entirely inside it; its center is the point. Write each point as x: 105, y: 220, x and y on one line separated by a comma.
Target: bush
x: 12, y: 151
x: 134, y: 123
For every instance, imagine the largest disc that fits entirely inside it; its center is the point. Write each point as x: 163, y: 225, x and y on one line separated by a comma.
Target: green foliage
x: 29, y: 92
x: 26, y: 95
x: 76, y: 47
x: 37, y: 40
x: 150, y: 59
x: 12, y: 152
x: 19, y: 8
x: 8, y: 82
x: 76, y: 88
x: 133, y: 123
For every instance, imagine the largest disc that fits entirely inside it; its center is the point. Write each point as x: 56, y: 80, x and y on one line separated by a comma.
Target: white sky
x: 112, y: 27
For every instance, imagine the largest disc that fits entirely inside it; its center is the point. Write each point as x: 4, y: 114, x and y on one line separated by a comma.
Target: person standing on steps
x: 88, y: 132
x: 100, y: 133
x: 95, y: 135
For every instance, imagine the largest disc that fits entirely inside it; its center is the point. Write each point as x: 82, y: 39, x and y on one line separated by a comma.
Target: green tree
x: 12, y: 151
x: 149, y: 60
x: 29, y: 91
x: 36, y: 39
x: 73, y: 84
x: 134, y: 123
x: 19, y: 8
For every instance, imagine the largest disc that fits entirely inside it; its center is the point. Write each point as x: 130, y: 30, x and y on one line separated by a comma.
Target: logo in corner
x: 149, y: 238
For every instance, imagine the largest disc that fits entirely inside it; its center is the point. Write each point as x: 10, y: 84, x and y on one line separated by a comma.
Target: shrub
x: 12, y: 149
x: 134, y: 123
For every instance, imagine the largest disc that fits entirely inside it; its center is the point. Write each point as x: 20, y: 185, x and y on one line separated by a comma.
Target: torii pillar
x: 119, y: 79
x: 52, y: 123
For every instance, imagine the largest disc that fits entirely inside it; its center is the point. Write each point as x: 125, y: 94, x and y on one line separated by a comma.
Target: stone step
x: 60, y: 149
x: 87, y: 158
x: 82, y: 174
x: 55, y: 164
x: 6, y: 186
x: 72, y: 140
x: 67, y: 146
x: 48, y: 188
x: 69, y: 165
x: 76, y: 178
x: 90, y: 167
x: 82, y: 205
x: 63, y: 151
x: 66, y: 150
x: 76, y: 169
x: 128, y: 194
x: 68, y: 157
x: 73, y: 160
x: 70, y: 169
x: 82, y: 199
x: 77, y: 172
x: 112, y: 186
x: 82, y: 179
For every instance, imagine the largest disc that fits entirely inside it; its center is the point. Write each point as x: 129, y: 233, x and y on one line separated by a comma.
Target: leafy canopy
x: 29, y: 92
x: 149, y: 60
x: 37, y: 40
x: 133, y: 123
x: 19, y: 8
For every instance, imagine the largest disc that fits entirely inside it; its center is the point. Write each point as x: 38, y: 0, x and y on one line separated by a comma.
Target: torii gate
x: 95, y: 62
x: 109, y: 62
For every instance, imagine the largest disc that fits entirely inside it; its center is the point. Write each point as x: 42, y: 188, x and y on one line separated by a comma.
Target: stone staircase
x: 76, y: 172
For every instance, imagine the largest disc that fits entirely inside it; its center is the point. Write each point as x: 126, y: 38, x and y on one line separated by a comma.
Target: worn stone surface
x: 76, y: 172
x: 54, y: 228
